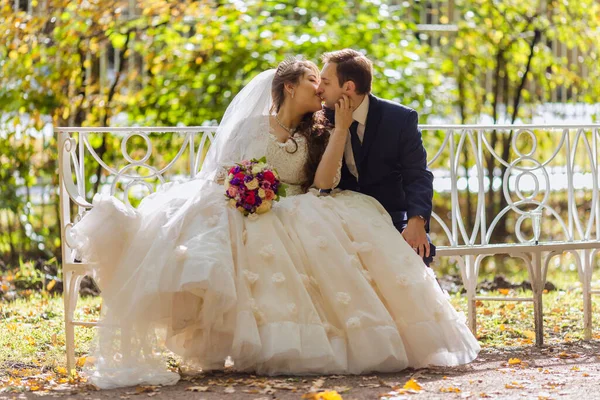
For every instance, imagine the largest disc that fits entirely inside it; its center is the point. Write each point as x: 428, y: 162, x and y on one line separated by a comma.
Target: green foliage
x: 514, y: 41
x: 181, y: 63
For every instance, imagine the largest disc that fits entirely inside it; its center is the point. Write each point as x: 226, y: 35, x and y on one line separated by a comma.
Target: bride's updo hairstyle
x: 313, y: 126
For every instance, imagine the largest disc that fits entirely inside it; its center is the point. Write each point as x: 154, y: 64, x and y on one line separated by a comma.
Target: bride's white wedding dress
x: 318, y: 285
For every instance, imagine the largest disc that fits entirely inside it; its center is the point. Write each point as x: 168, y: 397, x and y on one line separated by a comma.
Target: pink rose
x: 269, y: 194
x: 232, y: 191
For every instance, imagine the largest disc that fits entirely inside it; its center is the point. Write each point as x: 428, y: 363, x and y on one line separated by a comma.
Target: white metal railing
x: 572, y: 147
x: 531, y: 191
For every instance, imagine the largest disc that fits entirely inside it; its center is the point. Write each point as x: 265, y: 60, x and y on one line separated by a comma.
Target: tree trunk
x: 506, y: 143
x: 490, y: 161
x: 463, y: 117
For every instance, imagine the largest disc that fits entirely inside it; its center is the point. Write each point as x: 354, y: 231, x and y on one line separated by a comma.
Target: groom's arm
x: 417, y: 179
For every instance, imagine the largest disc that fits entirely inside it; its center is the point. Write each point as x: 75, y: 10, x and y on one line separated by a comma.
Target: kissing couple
x: 331, y: 279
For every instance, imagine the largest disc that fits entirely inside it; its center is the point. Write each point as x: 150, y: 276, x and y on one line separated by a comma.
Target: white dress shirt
x: 359, y: 115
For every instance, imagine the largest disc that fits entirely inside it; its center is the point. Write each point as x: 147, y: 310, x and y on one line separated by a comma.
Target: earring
x: 292, y: 94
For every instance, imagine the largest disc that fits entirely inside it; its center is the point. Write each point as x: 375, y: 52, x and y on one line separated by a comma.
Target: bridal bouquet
x: 252, y: 187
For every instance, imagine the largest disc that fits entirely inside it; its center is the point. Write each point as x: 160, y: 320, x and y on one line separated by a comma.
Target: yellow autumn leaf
x: 450, y: 389
x: 81, y: 361
x: 329, y: 395
x: 514, y: 361
x: 504, y: 291
x: 51, y: 285
x: 61, y: 370
x: 529, y: 334
x: 412, y: 384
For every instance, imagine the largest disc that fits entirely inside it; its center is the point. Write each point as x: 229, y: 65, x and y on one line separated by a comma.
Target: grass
x: 32, y: 330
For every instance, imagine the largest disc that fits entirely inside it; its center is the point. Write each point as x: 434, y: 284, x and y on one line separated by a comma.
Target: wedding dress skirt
x: 318, y: 285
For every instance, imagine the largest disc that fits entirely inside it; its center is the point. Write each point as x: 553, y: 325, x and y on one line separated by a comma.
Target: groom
x: 384, y: 156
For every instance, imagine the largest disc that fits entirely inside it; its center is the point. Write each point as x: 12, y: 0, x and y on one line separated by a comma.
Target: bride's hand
x: 343, y: 113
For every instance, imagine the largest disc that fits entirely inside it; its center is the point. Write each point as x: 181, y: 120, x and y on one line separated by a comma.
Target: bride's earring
x: 292, y: 94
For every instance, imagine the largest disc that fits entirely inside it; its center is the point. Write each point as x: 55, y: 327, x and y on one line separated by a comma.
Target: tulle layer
x: 317, y: 285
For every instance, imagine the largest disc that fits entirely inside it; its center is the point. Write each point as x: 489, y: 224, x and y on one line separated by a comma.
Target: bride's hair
x: 313, y: 126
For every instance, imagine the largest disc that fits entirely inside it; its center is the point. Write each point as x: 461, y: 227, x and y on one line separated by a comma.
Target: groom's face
x: 329, y: 88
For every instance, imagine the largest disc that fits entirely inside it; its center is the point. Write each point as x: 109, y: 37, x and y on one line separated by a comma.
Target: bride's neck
x: 289, y: 118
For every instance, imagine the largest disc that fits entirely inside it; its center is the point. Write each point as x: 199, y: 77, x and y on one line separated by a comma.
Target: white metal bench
x: 529, y: 186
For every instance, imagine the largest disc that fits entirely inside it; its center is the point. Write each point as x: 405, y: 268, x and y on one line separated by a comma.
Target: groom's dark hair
x: 352, y: 66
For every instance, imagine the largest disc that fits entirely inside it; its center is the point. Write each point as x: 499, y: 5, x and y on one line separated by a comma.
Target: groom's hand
x: 416, y: 237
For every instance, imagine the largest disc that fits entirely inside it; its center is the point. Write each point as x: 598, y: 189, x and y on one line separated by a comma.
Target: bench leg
x: 537, y: 286
x: 585, y: 276
x: 469, y: 272
x: 538, y: 315
x: 69, y: 327
x: 533, y: 260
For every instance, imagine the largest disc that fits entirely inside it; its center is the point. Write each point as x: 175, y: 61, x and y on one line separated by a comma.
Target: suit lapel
x: 371, y: 128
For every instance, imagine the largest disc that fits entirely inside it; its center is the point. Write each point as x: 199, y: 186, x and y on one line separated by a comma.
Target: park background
x: 160, y: 63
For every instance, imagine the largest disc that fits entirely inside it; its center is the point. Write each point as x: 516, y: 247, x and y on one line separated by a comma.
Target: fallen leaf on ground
x: 146, y: 389
x: 229, y: 389
x: 514, y: 361
x: 342, y: 389
x: 412, y: 384
x: 284, y: 386
x: 198, y: 389
x: 327, y: 395
x: 317, y: 384
x: 450, y: 389
x: 565, y: 355
x: 268, y: 390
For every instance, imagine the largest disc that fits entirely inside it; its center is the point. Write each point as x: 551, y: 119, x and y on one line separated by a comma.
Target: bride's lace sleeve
x: 338, y: 175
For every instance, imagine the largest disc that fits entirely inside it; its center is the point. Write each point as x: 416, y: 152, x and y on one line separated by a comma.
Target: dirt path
x: 566, y: 371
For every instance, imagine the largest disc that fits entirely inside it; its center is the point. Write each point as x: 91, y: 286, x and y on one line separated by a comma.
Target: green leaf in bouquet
x: 281, y: 190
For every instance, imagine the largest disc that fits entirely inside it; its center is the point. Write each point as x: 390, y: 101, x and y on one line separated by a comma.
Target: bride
x: 317, y: 285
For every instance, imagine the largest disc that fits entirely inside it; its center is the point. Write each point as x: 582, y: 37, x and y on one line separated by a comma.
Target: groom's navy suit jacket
x: 392, y: 164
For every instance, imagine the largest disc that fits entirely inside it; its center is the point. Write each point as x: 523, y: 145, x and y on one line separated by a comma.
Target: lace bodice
x: 288, y: 163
